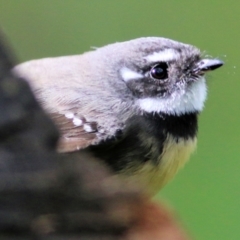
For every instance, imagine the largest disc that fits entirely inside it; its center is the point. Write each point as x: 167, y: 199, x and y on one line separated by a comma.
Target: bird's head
x: 164, y: 76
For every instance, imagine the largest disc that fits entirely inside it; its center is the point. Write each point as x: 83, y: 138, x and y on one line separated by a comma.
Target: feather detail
x: 76, y: 132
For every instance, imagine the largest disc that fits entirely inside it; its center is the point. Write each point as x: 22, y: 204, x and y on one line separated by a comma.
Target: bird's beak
x: 205, y: 65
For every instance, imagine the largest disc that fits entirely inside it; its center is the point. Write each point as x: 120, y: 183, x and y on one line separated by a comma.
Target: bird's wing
x: 76, y: 132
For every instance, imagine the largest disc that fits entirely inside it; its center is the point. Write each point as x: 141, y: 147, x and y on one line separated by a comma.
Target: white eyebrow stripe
x: 163, y: 56
x: 128, y: 74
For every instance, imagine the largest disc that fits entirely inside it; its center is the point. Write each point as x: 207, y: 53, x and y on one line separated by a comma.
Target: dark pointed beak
x: 205, y: 65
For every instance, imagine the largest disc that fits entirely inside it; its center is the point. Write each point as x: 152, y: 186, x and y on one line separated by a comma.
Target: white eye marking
x: 163, y: 56
x: 77, y: 122
x: 180, y: 102
x: 128, y: 74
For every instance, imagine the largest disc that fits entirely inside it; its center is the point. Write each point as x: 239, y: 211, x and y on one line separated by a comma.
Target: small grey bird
x: 133, y: 104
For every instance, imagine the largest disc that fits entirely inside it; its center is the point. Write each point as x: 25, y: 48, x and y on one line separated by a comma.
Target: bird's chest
x: 158, y: 170
x: 150, y: 149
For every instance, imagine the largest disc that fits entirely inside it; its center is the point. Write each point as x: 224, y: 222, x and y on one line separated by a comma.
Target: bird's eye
x: 159, y: 71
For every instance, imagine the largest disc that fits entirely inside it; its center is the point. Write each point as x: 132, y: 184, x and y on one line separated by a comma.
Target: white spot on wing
x: 128, y: 74
x: 77, y: 121
x: 87, y: 128
x: 69, y: 115
x: 180, y: 102
x: 163, y: 56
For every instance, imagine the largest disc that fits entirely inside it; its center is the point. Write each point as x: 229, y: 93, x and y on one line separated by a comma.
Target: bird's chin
x: 187, y: 100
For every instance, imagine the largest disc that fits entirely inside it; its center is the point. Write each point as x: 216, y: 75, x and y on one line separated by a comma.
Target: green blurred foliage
x: 206, y: 193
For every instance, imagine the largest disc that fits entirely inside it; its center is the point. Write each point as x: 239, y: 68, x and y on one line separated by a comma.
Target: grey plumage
x: 96, y: 95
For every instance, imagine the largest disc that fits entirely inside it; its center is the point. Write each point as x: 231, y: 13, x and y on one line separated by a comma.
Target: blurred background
x: 206, y: 193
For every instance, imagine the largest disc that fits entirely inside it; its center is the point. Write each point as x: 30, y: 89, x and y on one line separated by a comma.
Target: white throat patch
x: 180, y: 102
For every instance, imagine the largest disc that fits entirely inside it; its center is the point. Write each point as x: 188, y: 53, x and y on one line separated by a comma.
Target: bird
x: 134, y: 105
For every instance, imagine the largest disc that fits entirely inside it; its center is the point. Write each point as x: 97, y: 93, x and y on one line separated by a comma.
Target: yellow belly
x: 153, y: 177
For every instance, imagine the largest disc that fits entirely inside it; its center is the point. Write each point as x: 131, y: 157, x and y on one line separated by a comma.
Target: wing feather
x: 76, y: 132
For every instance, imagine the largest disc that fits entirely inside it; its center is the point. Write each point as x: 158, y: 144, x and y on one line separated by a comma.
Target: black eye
x: 159, y: 71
